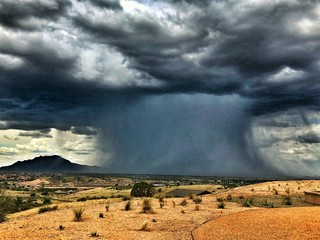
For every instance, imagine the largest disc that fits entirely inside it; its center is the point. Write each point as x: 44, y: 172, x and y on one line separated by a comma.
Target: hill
x: 53, y: 163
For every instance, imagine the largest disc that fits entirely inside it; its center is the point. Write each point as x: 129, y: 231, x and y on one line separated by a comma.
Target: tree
x: 143, y: 189
x: 6, y: 205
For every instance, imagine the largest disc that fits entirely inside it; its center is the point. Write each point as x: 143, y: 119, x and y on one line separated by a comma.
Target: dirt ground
x: 169, y: 222
x: 277, y: 223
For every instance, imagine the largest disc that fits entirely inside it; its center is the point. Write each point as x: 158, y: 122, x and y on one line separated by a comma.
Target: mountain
x: 50, y: 164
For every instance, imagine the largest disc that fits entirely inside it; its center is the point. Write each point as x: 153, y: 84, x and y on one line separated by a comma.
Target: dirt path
x: 278, y: 223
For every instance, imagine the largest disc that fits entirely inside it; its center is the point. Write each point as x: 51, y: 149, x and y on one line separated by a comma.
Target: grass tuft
x: 78, y: 214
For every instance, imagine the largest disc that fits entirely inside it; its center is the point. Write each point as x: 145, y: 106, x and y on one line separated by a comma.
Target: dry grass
x: 170, y: 222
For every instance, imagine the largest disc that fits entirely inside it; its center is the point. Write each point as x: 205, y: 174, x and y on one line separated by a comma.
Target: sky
x: 221, y: 88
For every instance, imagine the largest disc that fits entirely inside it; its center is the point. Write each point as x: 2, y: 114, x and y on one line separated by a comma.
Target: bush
x: 287, y: 200
x: 221, y: 205
x: 197, y: 200
x: 219, y: 199
x: 126, y: 198
x: 46, y: 201
x: 229, y: 197
x: 146, y: 206
x: 61, y: 227
x: 143, y: 189
x: 128, y: 206
x: 101, y: 215
x: 47, y: 209
x: 183, y: 202
x: 161, y: 197
x: 6, y: 205
x: 78, y: 214
x: 94, y: 234
x: 247, y: 203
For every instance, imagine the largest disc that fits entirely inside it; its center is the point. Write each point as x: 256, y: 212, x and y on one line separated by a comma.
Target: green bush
x: 247, y: 203
x: 197, y: 200
x: 46, y: 201
x: 287, y: 200
x: 6, y: 205
x: 143, y: 189
x: 47, y: 209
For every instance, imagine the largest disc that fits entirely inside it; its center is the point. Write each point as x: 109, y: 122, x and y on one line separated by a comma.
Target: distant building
x: 186, y: 192
x: 312, y: 197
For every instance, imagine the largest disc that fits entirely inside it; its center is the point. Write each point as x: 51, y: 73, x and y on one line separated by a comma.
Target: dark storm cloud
x: 247, y: 47
x: 45, y: 133
x: 108, y: 4
x: 16, y: 14
x: 309, y: 138
x: 60, y: 69
x: 83, y: 131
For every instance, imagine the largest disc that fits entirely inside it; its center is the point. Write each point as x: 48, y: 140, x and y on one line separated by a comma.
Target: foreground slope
x: 277, y: 223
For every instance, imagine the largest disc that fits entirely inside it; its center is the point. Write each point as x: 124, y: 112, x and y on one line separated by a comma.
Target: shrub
x: 161, y: 198
x: 287, y: 200
x: 241, y: 197
x: 146, y: 206
x: 219, y: 199
x: 221, y: 205
x: 46, y: 201
x: 197, y: 200
x: 94, y: 234
x: 182, y: 211
x: 61, y: 227
x: 47, y: 209
x: 184, y: 202
x: 196, y: 207
x: 229, y: 197
x: 101, y: 215
x: 78, y: 214
x: 83, y: 199
x: 126, y: 198
x: 161, y: 204
x: 6, y: 205
x: 142, y: 189
x: 128, y: 206
x: 247, y: 203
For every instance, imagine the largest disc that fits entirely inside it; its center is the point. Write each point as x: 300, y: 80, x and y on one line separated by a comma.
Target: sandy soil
x: 170, y: 222
x: 277, y: 223
x: 117, y: 224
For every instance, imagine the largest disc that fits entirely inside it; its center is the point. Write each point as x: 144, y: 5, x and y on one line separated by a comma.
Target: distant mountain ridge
x: 53, y: 164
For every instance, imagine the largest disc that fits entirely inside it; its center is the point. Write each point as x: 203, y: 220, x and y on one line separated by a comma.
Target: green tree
x: 6, y: 205
x: 143, y: 189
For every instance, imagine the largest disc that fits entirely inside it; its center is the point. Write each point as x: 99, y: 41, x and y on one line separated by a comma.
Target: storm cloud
x: 168, y: 86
